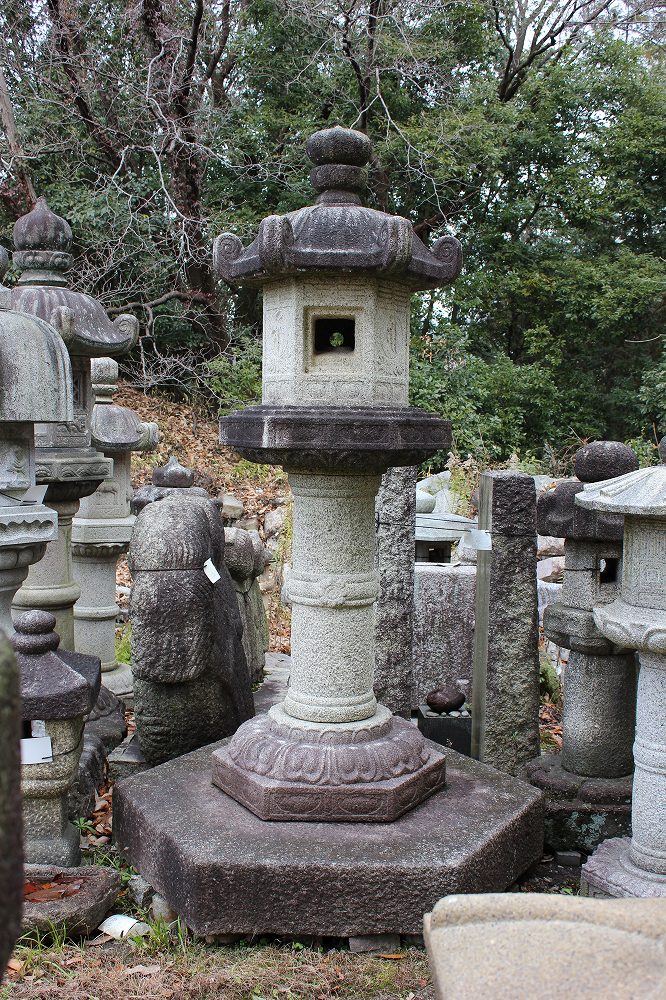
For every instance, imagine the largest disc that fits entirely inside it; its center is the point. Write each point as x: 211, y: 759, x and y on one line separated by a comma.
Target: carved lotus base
x: 281, y: 769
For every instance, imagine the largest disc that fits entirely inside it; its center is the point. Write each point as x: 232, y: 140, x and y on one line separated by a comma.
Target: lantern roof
x: 641, y: 493
x: 36, y: 370
x: 42, y: 242
x: 338, y: 233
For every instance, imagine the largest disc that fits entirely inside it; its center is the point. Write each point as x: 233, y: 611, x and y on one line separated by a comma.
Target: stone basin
x: 80, y: 913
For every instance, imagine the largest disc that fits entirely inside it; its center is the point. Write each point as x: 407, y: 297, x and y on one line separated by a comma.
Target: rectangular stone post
x: 395, y: 519
x: 505, y: 710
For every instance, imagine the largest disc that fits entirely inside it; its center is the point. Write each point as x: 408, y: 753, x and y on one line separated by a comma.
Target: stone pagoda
x: 36, y: 386
x: 101, y: 530
x: 66, y: 461
x: 589, y: 784
x: 636, y: 619
x: 380, y: 836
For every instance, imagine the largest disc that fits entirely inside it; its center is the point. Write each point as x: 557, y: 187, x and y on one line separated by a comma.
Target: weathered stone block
x: 225, y: 871
x: 395, y: 518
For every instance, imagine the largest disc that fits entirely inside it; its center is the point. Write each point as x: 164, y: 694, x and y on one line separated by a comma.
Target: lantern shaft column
x: 333, y: 587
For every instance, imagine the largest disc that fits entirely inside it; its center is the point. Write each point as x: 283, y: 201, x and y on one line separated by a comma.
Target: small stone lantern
x: 66, y: 461
x: 589, y: 783
x: 102, y: 528
x: 337, y: 280
x: 637, y: 620
x: 36, y: 386
x: 58, y: 689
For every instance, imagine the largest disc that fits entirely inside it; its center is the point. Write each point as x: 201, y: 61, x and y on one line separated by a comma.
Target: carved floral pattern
x: 313, y: 757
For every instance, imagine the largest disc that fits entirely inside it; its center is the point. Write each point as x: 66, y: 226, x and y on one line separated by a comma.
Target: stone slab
x: 609, y: 873
x: 82, y: 912
x: 374, y: 943
x: 545, y: 947
x: 225, y: 871
x: 276, y: 681
x: 127, y: 759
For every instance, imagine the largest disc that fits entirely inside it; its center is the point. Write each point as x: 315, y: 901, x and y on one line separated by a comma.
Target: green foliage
x: 555, y: 186
x: 549, y: 682
x: 123, y: 644
x: 236, y: 376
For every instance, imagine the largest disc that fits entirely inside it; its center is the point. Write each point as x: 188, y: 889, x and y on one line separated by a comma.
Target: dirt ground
x: 194, y: 971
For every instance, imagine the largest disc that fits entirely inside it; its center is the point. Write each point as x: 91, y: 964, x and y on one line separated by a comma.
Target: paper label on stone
x: 36, y: 750
x: 210, y: 570
x: 477, y: 538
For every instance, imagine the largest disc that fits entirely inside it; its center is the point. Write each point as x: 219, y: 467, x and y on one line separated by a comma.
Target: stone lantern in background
x: 337, y: 280
x: 636, y: 619
x: 101, y: 530
x: 58, y: 689
x: 589, y: 783
x: 66, y: 462
x: 36, y: 386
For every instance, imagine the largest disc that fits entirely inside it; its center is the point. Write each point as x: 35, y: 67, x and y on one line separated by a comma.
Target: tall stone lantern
x: 380, y: 835
x: 36, y: 380
x: 101, y: 530
x: 66, y: 461
x: 637, y: 620
x: 589, y: 784
x: 337, y: 279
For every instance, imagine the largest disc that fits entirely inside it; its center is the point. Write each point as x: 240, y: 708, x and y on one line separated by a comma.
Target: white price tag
x: 210, y: 570
x: 479, y: 539
x: 36, y: 750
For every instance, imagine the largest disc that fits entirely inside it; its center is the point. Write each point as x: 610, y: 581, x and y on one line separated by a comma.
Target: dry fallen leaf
x: 14, y: 965
x: 392, y: 957
x: 142, y: 970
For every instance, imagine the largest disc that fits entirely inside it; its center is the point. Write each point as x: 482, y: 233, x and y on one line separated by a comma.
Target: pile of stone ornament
x: 65, y: 476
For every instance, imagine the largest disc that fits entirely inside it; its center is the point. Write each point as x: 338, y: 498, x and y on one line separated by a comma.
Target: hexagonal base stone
x: 225, y: 871
x: 580, y: 812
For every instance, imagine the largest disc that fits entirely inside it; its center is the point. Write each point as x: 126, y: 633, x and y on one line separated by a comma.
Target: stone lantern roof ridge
x: 116, y: 428
x: 31, y: 354
x: 338, y: 233
x: 42, y: 242
x: 641, y: 493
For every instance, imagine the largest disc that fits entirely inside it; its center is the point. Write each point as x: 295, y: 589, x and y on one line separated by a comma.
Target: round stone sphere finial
x: 601, y: 460
x: 42, y: 229
x: 173, y: 475
x: 339, y: 145
x: 35, y: 633
x: 339, y: 156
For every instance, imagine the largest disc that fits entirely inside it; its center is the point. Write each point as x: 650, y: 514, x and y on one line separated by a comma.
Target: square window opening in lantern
x: 334, y: 335
x: 608, y: 571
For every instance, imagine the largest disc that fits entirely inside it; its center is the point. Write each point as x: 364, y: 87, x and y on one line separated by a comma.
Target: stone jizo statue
x: 191, y: 681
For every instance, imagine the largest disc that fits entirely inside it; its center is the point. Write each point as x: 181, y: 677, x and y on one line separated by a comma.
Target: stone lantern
x: 66, y: 462
x: 101, y: 530
x: 636, y: 619
x: 589, y: 783
x: 58, y: 689
x: 379, y: 833
x: 337, y: 280
x: 36, y: 386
